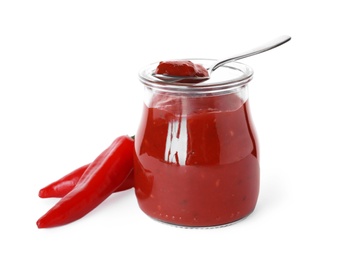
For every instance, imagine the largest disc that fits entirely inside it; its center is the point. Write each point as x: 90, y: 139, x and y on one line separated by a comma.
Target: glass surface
x: 196, y: 150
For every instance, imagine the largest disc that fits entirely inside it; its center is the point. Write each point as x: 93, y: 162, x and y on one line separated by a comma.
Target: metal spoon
x: 265, y: 47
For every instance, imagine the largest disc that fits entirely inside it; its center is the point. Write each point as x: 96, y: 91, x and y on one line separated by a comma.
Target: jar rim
x: 236, y: 75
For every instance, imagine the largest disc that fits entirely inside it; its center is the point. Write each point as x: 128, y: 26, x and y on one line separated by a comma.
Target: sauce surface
x: 196, y: 160
x: 181, y: 68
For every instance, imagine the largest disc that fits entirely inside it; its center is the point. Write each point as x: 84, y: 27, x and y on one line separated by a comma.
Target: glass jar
x: 196, y: 152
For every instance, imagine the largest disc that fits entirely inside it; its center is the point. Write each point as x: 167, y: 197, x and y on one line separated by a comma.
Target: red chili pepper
x: 103, y: 176
x: 61, y: 187
x: 64, y: 185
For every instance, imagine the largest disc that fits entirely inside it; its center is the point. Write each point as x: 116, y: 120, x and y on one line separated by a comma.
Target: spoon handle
x: 262, y: 48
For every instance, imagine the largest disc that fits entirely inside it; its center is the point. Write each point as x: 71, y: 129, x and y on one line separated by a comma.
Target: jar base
x: 202, y: 227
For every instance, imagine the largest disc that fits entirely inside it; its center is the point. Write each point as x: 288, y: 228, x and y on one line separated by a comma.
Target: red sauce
x: 181, y: 68
x: 196, y: 160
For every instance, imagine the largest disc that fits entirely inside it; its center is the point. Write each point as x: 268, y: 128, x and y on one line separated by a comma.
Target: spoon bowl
x: 257, y: 50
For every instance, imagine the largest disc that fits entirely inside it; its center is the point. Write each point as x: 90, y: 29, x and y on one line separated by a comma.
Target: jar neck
x: 226, y: 79
x: 193, y: 102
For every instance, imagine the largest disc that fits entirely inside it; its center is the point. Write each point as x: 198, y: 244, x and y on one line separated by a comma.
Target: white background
x: 69, y: 86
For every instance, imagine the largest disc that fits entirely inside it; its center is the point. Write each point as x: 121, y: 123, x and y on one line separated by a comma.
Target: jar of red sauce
x: 196, y: 151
